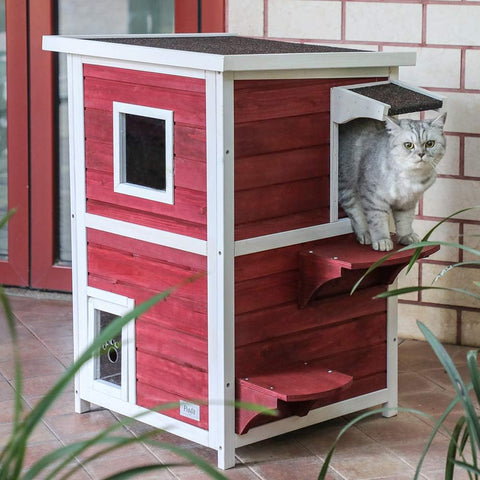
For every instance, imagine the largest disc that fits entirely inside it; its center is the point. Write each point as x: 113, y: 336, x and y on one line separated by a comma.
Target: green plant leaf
x: 457, y: 382
x: 13, y: 453
x: 439, y: 424
x: 452, y: 448
x: 472, y: 363
x: 110, y: 331
x: 468, y: 467
x: 413, y: 246
x: 133, y: 472
x: 328, y: 458
x: 7, y: 217
x: 401, y: 291
x: 186, y: 454
x: 11, y: 465
x: 418, y: 251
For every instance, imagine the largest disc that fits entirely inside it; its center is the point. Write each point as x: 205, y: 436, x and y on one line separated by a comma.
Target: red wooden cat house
x: 211, y: 154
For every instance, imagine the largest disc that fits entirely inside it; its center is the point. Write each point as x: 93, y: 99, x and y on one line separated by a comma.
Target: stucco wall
x: 446, y: 36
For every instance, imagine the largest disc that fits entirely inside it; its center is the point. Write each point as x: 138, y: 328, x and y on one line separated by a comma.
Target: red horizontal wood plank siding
x: 189, y: 206
x: 171, y: 338
x: 174, y: 82
x: 186, y: 98
x: 272, y: 332
x: 161, y: 381
x: 312, y: 344
x: 282, y: 154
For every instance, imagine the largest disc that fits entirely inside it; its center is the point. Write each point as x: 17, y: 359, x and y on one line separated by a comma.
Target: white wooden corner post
x: 390, y: 408
x: 221, y: 344
x: 78, y: 211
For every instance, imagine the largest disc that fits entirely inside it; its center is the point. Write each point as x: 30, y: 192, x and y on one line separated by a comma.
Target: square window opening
x: 143, y: 152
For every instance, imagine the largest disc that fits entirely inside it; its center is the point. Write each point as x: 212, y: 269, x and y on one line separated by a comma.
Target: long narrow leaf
x: 439, y: 424
x: 133, y: 472
x: 457, y: 382
x: 11, y: 457
x: 106, y: 334
x: 468, y: 467
x: 401, y: 291
x: 426, y: 237
x: 452, y: 448
x: 472, y: 363
x: 413, y: 246
x: 186, y: 454
x: 48, y: 460
x: 328, y: 458
x: 20, y: 438
x: 7, y: 217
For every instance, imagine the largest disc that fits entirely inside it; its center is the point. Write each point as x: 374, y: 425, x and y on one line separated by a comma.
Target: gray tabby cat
x: 385, y: 167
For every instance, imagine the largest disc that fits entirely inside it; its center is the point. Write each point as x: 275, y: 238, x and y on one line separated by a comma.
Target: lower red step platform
x: 289, y: 392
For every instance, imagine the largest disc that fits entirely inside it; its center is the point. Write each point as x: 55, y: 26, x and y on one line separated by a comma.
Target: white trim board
x: 292, y: 237
x: 143, y: 67
x: 305, y: 73
x: 152, y: 418
x: 91, y: 46
x: 319, y: 415
x: 146, y: 234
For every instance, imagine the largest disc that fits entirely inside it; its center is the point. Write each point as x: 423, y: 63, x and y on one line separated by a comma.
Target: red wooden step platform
x: 343, y: 260
x: 289, y: 392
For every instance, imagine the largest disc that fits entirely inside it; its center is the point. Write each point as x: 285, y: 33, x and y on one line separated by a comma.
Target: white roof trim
x: 222, y: 63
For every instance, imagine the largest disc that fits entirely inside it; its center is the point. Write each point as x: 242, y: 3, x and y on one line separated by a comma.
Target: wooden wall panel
x: 189, y: 205
x: 282, y: 136
x: 272, y: 333
x: 156, y: 398
x: 171, y: 338
x: 160, y: 381
x: 186, y: 97
x: 189, y: 108
x: 312, y: 345
x: 177, y: 314
x: 281, y: 200
x: 174, y: 82
x: 161, y: 222
x: 186, y: 350
x: 273, y: 168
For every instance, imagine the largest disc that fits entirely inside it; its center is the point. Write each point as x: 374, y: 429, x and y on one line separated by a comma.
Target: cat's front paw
x: 383, y: 245
x: 364, y: 238
x: 409, y: 239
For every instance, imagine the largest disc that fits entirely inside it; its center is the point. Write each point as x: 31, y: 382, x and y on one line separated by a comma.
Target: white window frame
x: 118, y: 305
x: 119, y: 152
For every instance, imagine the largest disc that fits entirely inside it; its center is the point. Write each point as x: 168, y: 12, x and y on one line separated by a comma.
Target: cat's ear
x: 392, y: 124
x: 439, y: 121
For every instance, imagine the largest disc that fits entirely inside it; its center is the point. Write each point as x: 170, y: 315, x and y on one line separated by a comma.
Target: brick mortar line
x: 448, y: 306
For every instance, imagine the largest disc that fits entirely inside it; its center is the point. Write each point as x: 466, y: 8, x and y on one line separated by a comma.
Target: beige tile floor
x: 377, y: 448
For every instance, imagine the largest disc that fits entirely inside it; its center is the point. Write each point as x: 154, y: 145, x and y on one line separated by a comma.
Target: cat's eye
x: 409, y: 145
x: 430, y: 143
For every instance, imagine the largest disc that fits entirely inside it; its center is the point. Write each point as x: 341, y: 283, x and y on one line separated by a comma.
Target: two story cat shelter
x: 215, y: 156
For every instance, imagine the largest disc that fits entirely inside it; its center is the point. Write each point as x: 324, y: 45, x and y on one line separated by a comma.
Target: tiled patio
x: 377, y: 448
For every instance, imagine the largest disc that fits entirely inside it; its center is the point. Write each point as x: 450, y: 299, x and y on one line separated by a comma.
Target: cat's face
x: 417, y: 143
